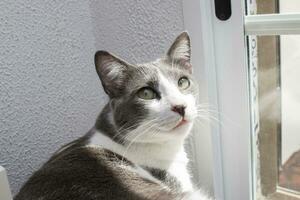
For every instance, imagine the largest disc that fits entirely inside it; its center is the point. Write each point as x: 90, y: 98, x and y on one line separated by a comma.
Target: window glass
x: 276, y: 6
x: 277, y: 140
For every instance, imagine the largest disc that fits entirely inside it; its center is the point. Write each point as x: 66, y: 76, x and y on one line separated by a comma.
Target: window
x: 278, y: 139
x: 276, y: 144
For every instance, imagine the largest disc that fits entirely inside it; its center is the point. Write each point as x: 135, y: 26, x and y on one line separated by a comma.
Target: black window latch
x: 223, y: 9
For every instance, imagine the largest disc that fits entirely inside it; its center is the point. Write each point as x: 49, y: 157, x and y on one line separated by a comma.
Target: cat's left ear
x: 180, y: 51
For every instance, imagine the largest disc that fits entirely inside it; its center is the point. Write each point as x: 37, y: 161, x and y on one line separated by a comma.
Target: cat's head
x: 154, y: 101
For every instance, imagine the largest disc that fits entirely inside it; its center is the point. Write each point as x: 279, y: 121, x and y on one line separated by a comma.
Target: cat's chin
x: 175, y: 125
x: 182, y: 127
x: 181, y: 123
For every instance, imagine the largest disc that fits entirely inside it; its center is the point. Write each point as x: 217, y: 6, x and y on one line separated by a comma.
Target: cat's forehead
x: 154, y: 71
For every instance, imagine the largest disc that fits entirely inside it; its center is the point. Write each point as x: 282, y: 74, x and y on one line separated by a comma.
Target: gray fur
x: 165, y: 177
x: 90, y: 174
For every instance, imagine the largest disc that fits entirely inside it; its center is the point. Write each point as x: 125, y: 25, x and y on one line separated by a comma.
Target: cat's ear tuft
x: 180, y: 51
x: 112, y: 72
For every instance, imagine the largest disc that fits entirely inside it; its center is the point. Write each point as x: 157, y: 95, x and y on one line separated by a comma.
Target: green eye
x: 183, y: 83
x: 147, y: 94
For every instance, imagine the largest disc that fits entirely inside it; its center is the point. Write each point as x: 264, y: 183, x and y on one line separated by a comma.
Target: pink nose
x: 180, y: 109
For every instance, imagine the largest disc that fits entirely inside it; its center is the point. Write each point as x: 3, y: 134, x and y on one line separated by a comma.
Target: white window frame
x: 222, y: 46
x: 227, y: 85
x: 272, y: 24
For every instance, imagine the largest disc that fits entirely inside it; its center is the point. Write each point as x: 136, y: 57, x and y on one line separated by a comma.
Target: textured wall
x: 137, y: 30
x: 49, y: 91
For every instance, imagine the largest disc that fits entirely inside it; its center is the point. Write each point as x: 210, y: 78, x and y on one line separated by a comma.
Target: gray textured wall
x: 49, y: 91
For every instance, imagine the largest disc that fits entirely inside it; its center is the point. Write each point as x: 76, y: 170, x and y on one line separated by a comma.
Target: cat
x: 136, y: 148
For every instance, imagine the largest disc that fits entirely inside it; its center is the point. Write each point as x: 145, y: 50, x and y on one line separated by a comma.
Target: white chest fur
x: 167, y: 157
x: 178, y: 169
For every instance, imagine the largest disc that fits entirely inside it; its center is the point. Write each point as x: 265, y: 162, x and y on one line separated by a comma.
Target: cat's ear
x: 112, y: 72
x: 180, y: 51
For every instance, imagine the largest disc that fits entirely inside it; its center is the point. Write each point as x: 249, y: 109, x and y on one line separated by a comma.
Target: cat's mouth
x: 181, y: 123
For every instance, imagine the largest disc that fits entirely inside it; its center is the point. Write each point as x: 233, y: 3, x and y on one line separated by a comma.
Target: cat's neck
x: 156, y: 154
x: 168, y: 156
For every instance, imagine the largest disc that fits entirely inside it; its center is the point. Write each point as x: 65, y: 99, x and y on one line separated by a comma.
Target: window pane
x: 277, y: 140
x: 290, y: 97
x: 276, y: 6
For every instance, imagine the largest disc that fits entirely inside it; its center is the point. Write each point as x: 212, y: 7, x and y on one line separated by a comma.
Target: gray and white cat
x: 135, y: 150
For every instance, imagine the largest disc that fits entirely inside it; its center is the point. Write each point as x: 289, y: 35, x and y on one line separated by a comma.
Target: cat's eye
x: 183, y: 83
x: 147, y: 93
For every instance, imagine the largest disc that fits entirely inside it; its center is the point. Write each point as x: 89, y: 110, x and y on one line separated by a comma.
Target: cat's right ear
x: 112, y: 72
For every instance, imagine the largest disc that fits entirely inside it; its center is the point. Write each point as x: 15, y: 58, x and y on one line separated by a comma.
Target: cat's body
x: 136, y: 149
x: 85, y: 170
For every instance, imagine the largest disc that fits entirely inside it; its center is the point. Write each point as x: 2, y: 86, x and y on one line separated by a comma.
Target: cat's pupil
x: 146, y: 93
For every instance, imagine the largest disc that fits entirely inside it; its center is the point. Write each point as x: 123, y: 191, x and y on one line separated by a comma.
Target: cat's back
x: 89, y: 173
